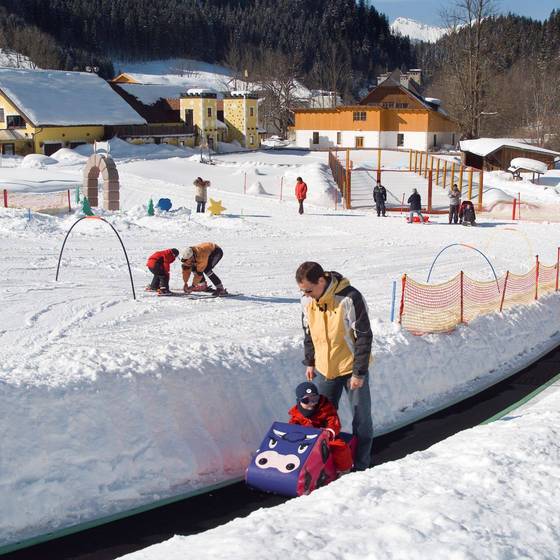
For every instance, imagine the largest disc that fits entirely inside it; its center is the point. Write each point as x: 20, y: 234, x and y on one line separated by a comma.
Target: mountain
x: 417, y: 31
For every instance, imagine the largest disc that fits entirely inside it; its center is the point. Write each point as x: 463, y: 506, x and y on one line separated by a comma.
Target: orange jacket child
x: 314, y: 410
x: 301, y: 189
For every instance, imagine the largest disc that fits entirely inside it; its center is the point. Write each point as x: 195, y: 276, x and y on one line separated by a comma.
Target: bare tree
x: 466, y: 59
x: 277, y: 77
x: 333, y: 72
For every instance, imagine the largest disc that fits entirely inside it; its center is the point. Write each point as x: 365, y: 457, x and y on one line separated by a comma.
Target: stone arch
x: 105, y: 165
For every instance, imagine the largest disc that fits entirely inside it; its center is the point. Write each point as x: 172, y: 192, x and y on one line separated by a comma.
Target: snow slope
x: 110, y: 402
x: 416, y: 30
x: 13, y: 59
x: 488, y: 492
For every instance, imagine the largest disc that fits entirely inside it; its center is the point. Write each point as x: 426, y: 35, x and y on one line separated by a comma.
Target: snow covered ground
x: 488, y: 492
x: 109, y: 403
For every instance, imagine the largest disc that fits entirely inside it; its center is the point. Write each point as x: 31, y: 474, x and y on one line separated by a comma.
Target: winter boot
x: 163, y: 292
x: 220, y: 291
x: 149, y: 288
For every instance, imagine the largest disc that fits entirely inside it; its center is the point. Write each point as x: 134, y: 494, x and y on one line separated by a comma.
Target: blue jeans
x: 360, y: 405
x: 412, y: 212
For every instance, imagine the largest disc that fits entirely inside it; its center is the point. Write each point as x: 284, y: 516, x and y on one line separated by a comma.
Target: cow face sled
x: 293, y: 460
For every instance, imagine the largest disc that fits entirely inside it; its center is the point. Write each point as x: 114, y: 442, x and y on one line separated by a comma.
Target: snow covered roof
x: 529, y: 164
x: 485, y: 146
x: 220, y: 124
x: 151, y: 94
x: 52, y: 97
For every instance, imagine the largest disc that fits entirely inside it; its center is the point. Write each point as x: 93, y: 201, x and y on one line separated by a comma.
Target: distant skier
x: 159, y: 264
x: 379, y: 197
x: 467, y: 214
x: 201, y: 194
x: 415, y: 202
x: 201, y: 260
x: 316, y: 411
x: 301, y: 193
x: 454, y: 195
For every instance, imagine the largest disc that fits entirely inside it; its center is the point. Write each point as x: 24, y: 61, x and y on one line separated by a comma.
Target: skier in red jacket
x: 159, y: 265
x: 314, y: 410
x: 301, y: 193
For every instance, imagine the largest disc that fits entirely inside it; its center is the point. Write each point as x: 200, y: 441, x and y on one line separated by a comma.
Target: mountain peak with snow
x: 416, y: 30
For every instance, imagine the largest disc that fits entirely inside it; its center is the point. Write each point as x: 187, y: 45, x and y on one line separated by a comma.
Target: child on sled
x: 314, y: 410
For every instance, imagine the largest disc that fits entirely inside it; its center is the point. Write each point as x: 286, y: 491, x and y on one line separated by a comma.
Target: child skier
x: 467, y: 215
x: 159, y: 264
x: 314, y: 410
x: 201, y: 260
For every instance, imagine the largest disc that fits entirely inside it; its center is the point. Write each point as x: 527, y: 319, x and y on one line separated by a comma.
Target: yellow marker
x: 215, y: 207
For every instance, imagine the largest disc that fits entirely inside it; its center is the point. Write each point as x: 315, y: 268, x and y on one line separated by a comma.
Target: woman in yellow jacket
x: 201, y: 260
x: 337, y: 346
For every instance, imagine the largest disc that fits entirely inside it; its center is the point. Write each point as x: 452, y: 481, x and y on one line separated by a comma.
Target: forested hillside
x: 211, y: 30
x: 500, y: 78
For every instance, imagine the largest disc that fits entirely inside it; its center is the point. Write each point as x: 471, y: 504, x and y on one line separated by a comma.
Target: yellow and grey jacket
x: 337, y: 330
x: 201, y: 254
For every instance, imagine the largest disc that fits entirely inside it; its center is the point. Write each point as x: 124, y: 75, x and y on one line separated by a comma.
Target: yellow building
x: 241, y: 118
x: 42, y: 111
x: 199, y: 109
x: 390, y: 116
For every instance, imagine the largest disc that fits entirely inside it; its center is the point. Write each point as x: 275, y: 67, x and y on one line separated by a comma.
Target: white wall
x: 442, y: 138
x: 372, y: 139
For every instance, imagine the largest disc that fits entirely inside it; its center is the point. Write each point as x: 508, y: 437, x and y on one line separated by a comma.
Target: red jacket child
x: 167, y: 256
x: 316, y: 411
x: 301, y: 189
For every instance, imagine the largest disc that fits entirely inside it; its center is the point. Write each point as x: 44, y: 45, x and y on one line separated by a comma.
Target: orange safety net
x: 38, y: 201
x: 437, y: 308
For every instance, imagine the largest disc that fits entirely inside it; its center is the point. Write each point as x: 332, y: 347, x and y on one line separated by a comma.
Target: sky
x: 428, y: 11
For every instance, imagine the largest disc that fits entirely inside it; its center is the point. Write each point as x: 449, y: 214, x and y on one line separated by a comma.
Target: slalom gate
x: 439, y: 308
x: 39, y: 202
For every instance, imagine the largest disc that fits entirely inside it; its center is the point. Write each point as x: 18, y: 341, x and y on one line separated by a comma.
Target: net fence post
x: 462, y: 298
x: 504, y: 291
x: 537, y: 277
x: 401, y: 307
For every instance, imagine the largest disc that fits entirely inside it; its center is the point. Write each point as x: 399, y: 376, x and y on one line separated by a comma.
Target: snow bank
x: 120, y: 149
x: 36, y: 161
x: 256, y: 188
x: 321, y: 188
x: 487, y: 492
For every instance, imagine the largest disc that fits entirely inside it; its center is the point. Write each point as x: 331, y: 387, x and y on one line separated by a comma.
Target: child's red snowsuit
x: 166, y: 256
x: 326, y: 416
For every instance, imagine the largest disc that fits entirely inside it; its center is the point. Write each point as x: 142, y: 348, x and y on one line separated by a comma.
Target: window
x: 401, y: 105
x: 359, y: 115
x: 339, y: 138
x: 251, y: 111
x: 15, y: 121
x: 1, y: 114
x: 209, y: 111
x: 8, y: 149
x: 251, y: 140
x: 435, y: 139
x: 315, y: 138
x: 388, y: 105
x: 400, y: 140
x: 453, y: 139
x: 359, y: 141
x: 189, y: 117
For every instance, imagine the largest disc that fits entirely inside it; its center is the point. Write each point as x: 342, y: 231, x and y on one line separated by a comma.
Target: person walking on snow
x: 379, y: 197
x: 301, y: 193
x: 201, y: 194
x: 201, y: 260
x: 415, y: 202
x: 316, y: 411
x: 337, y: 346
x: 454, y: 195
x: 159, y: 264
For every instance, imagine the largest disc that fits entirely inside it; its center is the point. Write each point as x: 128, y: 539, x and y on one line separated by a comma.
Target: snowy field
x: 488, y: 492
x: 109, y: 403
